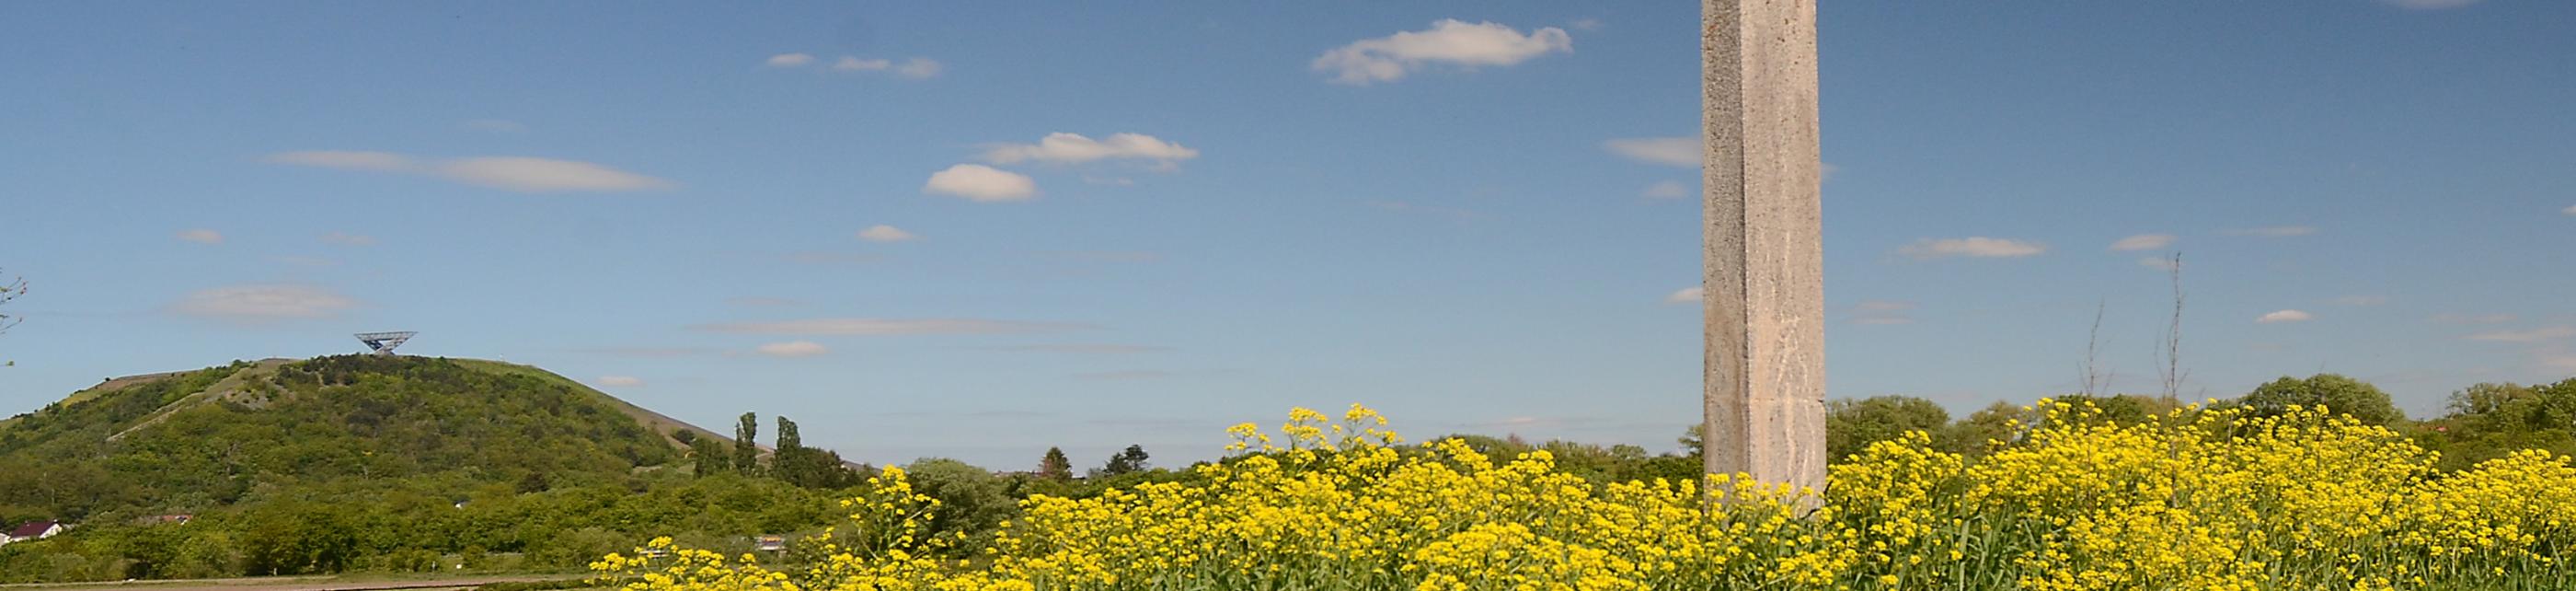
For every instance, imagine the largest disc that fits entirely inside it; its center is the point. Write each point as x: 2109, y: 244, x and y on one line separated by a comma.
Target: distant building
x: 771, y: 543
x: 32, y: 530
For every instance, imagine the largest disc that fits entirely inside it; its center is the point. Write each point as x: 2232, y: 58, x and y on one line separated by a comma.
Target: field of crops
x: 2194, y: 499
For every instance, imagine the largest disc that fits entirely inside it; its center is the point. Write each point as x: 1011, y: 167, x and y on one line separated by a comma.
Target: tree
x: 1851, y: 425
x: 1054, y: 466
x: 1127, y: 461
x: 711, y: 456
x: 2337, y: 393
x: 746, y: 445
x: 971, y: 500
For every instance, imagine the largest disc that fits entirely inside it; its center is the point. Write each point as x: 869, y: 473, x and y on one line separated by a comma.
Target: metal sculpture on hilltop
x: 383, y: 343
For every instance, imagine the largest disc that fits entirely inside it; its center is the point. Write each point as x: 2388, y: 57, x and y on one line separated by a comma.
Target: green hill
x: 412, y: 458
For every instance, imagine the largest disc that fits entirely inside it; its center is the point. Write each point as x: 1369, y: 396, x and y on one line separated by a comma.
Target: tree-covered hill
x: 193, y: 441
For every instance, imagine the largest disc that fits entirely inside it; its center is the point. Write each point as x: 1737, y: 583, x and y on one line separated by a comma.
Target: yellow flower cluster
x: 2195, y: 499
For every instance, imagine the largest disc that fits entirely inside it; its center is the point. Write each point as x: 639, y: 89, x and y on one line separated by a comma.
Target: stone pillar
x: 1764, y: 303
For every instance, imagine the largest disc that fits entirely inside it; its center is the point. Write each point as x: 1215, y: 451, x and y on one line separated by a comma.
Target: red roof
x: 31, y: 529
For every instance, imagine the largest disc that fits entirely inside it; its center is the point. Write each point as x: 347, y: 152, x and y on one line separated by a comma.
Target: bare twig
x: 2173, y: 374
x: 2092, y: 349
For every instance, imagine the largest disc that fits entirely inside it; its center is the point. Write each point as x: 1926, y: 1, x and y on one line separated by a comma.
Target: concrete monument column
x: 1764, y: 283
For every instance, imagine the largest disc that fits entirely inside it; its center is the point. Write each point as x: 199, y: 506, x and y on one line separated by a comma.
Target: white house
x: 32, y: 530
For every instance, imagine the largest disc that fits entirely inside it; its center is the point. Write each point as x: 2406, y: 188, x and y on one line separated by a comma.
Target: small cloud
x: 1132, y: 374
x: 346, y: 159
x: 789, y: 60
x: 1667, y: 190
x: 982, y: 184
x: 2526, y: 336
x: 2359, y: 301
x: 348, y: 239
x: 1073, y: 148
x: 792, y: 349
x: 854, y: 64
x: 1585, y: 24
x: 2274, y: 231
x: 885, y: 233
x: 1686, y: 295
x: 515, y: 173
x: 2449, y: 318
x: 496, y: 126
x: 1084, y: 348
x: 202, y: 236
x: 621, y: 381
x: 919, y: 68
x: 891, y: 326
x: 2284, y: 316
x: 545, y: 175
x: 2159, y: 263
x: 260, y: 303
x: 2428, y: 4
x: 2571, y: 210
x: 1882, y: 320
x: 1669, y: 151
x: 1973, y: 246
x: 759, y: 302
x: 1448, y: 41
x: 2143, y: 242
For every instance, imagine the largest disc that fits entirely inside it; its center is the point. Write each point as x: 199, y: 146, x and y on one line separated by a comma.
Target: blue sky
x: 860, y: 215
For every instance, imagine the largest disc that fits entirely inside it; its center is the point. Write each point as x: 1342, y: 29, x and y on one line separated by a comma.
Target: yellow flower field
x: 2195, y: 499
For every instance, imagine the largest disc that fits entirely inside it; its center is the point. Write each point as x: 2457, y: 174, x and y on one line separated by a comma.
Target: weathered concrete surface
x: 1764, y: 287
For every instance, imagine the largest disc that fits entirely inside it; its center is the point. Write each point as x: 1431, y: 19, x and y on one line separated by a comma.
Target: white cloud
x: 792, y: 349
x: 2284, y: 316
x: 790, y: 60
x: 2571, y: 210
x: 1882, y: 312
x: 2275, y: 231
x: 1667, y: 190
x: 2526, y: 336
x: 885, y: 233
x: 856, y: 64
x: 1585, y: 24
x: 264, y: 302
x: 545, y: 175
x: 2144, y: 242
x: 2428, y: 4
x: 1073, y: 148
x: 346, y: 159
x: 1448, y: 41
x: 202, y: 236
x: 920, y: 67
x: 496, y: 126
x: 348, y: 239
x: 1669, y: 151
x: 621, y: 381
x: 891, y: 326
x: 516, y: 173
x: 977, y: 182
x: 1973, y: 246
x: 1686, y: 295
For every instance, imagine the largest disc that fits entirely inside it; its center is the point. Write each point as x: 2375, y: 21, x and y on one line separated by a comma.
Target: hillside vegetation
x: 360, y: 462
